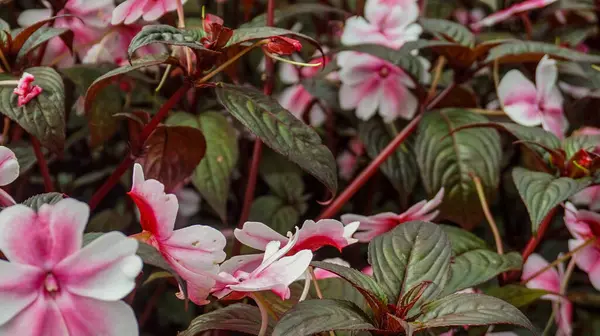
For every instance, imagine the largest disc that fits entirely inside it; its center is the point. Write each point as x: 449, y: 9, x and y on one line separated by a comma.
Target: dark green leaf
x: 530, y: 51
x: 280, y: 130
x: 274, y: 212
x: 152, y: 256
x: 541, y: 192
x: 44, y: 116
x: 462, y: 241
x: 449, y: 159
x: 314, y: 316
x: 455, y: 32
x: 165, y: 34
x: 238, y: 317
x: 4, y: 30
x: 283, y: 177
x: 401, y: 167
x: 292, y: 12
x: 574, y: 143
x: 408, y: 255
x: 35, y: 202
x: 517, y: 295
x: 41, y: 36
x: 90, y: 237
x: 109, y: 220
x: 241, y: 35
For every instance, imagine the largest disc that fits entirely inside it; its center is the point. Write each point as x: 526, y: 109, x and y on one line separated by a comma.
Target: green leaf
x: 401, y: 167
x: 44, y: 116
x: 411, y: 253
x: 4, y: 31
x: 462, y: 241
x: 470, y: 309
x: 448, y: 159
x: 292, y: 12
x: 35, y: 202
x: 152, y: 256
x: 314, y: 316
x: 541, y: 192
x: 238, y: 317
x: 340, y: 289
x: 109, y: 220
x: 517, y: 295
x: 90, y: 237
x: 169, y: 35
x: 283, y: 177
x: 455, y: 32
x: 517, y: 51
x: 212, y: 176
x: 280, y: 130
x: 41, y: 36
x: 172, y: 153
x: 274, y: 212
x: 242, y: 35
x: 574, y: 143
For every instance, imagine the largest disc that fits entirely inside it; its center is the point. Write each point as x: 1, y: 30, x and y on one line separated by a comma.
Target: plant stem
x: 264, y: 313
x: 535, y: 240
x: 39, y: 155
x: 181, y: 24
x: 311, y: 270
x: 437, y: 74
x: 307, y: 278
x: 231, y: 61
x: 136, y: 149
x: 488, y: 214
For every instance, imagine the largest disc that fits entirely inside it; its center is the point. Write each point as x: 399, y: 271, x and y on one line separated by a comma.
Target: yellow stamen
x: 595, y: 67
x: 285, y: 60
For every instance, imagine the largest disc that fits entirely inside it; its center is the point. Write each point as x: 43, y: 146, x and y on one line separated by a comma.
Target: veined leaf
x: 152, y: 256
x: 541, y: 192
x: 517, y: 295
x: 35, y: 202
x: 238, y: 317
x: 448, y: 159
x: 165, y: 34
x: 462, y: 241
x: 314, y: 316
x: 41, y: 36
x: 242, y: 35
x: 574, y: 143
x: 292, y: 12
x: 44, y: 116
x: 280, y: 130
x: 529, y: 51
x: 274, y: 212
x: 449, y: 29
x: 283, y: 177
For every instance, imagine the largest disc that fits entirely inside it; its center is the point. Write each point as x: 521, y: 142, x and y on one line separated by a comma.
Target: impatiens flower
x: 509, y: 12
x: 271, y: 270
x: 531, y: 104
x: 585, y: 225
x: 9, y: 171
x: 283, y: 46
x: 466, y: 16
x: 50, y: 285
x: 194, y: 252
x: 131, y: 10
x: 347, y: 159
x: 25, y: 91
x: 388, y: 23
x: 589, y: 196
x: 324, y: 274
x: 550, y: 280
x: 373, y: 226
x: 312, y: 236
x: 370, y: 84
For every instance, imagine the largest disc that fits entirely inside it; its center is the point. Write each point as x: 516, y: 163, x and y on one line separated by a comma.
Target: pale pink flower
x: 368, y: 270
x: 467, y: 16
x: 324, y: 274
x: 312, y: 236
x: 388, y: 23
x: 271, y: 270
x: 509, y: 12
x: 373, y: 226
x: 25, y: 90
x: 370, y: 84
x: 131, y: 10
x: 531, y: 105
x: 347, y: 159
x: 89, y: 24
x: 194, y: 252
x: 585, y: 225
x: 550, y: 280
x: 589, y: 196
x: 50, y: 285
x: 9, y: 171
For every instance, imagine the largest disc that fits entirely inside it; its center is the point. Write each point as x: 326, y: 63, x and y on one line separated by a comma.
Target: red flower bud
x: 282, y: 46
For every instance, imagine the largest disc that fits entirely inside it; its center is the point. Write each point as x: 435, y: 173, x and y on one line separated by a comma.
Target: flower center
x: 384, y: 72
x: 50, y: 284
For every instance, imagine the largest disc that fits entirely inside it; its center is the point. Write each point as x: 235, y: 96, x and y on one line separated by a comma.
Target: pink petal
x: 323, y: 274
x: 371, y: 93
x: 587, y: 257
x: 313, y: 236
x: 373, y: 226
x: 288, y: 73
x: 368, y: 270
x: 421, y: 212
x: 594, y: 275
x: 5, y: 199
x: 31, y: 16
x: 554, y: 121
x: 590, y: 196
x: 358, y: 31
x: 128, y: 12
x: 246, y: 263
x: 564, y: 318
x: 19, y: 286
x: 41, y: 318
x: 549, y: 280
x: 158, y: 210
x: 157, y: 8
x: 546, y: 75
x: 578, y: 221
x: 105, y: 269
x: 197, y: 248
x: 257, y: 235
x: 295, y: 99
x: 397, y: 100
x: 518, y: 97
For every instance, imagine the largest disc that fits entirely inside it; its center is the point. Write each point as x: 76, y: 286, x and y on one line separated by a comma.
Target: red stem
x: 37, y: 149
x: 534, y: 241
x: 135, y: 151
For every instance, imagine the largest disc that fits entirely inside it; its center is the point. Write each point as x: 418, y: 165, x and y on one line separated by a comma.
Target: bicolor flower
x: 388, y: 23
x: 585, y: 225
x: 312, y: 236
x: 9, y: 171
x: 531, y: 104
x: 371, y: 85
x: 373, y: 226
x: 272, y: 270
x: 509, y: 12
x: 130, y: 11
x: 51, y: 285
x: 194, y: 252
x: 25, y: 90
x: 550, y: 280
x: 589, y: 196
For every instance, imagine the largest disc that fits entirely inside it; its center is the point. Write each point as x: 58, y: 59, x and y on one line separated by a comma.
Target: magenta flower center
x: 51, y: 284
x: 384, y: 71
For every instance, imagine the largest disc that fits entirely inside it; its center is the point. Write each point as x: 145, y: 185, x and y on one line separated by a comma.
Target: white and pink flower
x: 531, y: 104
x: 585, y: 225
x: 25, y: 90
x: 194, y: 252
x: 589, y: 196
x: 505, y: 14
x: 51, y: 285
x: 130, y: 11
x: 9, y: 171
x: 373, y: 226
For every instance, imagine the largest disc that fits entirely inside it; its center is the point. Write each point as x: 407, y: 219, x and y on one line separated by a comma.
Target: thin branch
x: 39, y: 155
x: 488, y: 214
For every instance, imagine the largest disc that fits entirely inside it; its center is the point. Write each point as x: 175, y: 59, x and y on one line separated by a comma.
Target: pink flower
x: 589, y: 196
x: 550, y: 280
x: 584, y: 225
x: 271, y: 270
x: 25, y: 91
x: 324, y: 274
x: 50, y: 285
x: 194, y: 252
x: 368, y: 270
x: 373, y: 226
x: 347, y: 159
x: 529, y: 105
x: 509, y: 12
x: 131, y: 10
x: 389, y: 23
x: 9, y: 171
x: 468, y: 16
x: 312, y: 236
x: 370, y: 84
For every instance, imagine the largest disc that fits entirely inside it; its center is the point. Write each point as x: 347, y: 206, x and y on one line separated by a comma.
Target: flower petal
x: 9, y: 166
x: 554, y: 121
x: 589, y: 196
x: 5, y: 199
x: 157, y: 8
x: 313, y: 236
x: 197, y: 248
x: 546, y: 75
x: 371, y: 96
x: 128, y: 12
x: 41, y: 318
x: 587, y: 257
x: 31, y: 16
x: 105, y: 269
x: 257, y: 235
x: 19, y: 287
x: 594, y: 275
x: 549, y: 280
